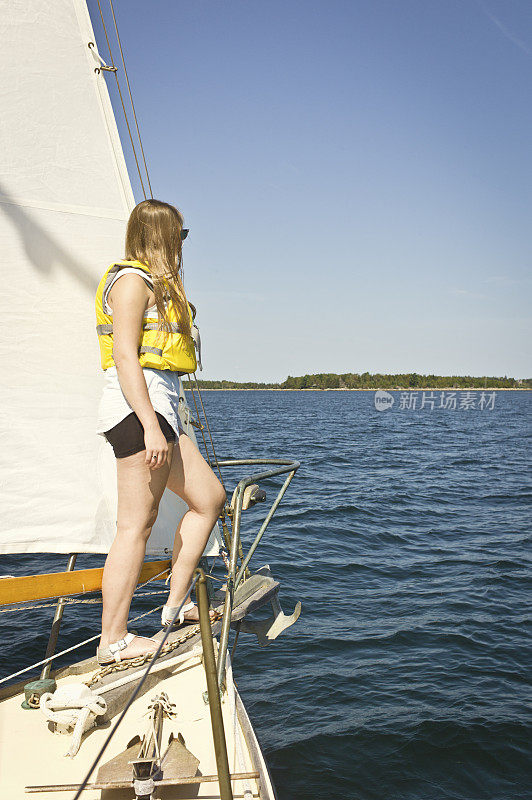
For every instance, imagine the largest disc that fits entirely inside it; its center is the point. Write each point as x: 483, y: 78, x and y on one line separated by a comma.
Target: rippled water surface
x: 406, y: 536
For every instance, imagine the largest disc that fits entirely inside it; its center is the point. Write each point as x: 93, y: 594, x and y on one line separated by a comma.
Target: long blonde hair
x: 153, y: 237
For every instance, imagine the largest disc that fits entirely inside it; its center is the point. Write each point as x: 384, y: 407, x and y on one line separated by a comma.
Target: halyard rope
x: 123, y: 104
x: 191, y: 387
x: 199, y: 419
x: 208, y: 427
x: 130, y: 96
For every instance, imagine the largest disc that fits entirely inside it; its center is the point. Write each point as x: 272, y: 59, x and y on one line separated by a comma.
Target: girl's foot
x: 131, y: 646
x: 140, y: 646
x: 189, y: 613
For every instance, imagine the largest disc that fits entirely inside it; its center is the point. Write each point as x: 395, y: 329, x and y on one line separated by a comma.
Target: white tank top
x: 107, y: 308
x: 163, y: 384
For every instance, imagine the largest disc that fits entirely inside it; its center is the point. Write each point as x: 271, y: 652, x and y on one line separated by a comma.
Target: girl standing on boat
x: 142, y: 300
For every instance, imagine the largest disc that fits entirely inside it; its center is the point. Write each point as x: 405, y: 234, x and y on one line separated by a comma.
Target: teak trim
x: 63, y: 584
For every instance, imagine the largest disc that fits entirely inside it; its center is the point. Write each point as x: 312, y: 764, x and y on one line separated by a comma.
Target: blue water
x: 406, y: 535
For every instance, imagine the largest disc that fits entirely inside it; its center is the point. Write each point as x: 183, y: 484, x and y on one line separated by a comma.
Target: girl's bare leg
x: 194, y: 481
x: 139, y: 492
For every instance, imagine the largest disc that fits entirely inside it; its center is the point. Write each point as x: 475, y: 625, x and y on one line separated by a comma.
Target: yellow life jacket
x: 173, y: 350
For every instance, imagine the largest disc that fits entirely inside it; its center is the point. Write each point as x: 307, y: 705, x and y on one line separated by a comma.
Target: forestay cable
x: 130, y: 95
x: 114, y: 69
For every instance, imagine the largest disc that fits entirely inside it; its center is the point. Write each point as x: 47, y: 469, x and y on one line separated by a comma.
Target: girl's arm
x: 128, y: 299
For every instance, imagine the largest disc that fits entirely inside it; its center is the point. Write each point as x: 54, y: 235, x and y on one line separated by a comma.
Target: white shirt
x: 163, y: 391
x: 163, y: 384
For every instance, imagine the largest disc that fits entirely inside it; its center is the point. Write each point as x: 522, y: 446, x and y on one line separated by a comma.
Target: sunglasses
x: 184, y: 233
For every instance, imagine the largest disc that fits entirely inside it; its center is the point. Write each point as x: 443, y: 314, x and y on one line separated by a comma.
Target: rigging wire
x: 113, y: 69
x: 70, y: 649
x: 85, y: 641
x: 72, y: 602
x: 130, y: 95
x: 199, y: 420
x: 208, y: 428
x: 191, y: 388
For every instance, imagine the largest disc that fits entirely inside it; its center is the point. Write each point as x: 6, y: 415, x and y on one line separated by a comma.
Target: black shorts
x: 127, y: 438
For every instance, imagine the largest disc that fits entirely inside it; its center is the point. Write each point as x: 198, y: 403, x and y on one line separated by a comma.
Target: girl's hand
x: 156, y: 447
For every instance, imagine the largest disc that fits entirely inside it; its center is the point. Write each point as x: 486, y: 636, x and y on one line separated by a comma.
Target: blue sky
x: 357, y: 178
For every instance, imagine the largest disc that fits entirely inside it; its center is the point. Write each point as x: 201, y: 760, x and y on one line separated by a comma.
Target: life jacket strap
x: 107, y: 330
x: 156, y: 351
x: 197, y: 343
x: 153, y: 326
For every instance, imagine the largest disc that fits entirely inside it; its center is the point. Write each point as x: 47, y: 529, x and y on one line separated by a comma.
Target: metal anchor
x: 267, y: 630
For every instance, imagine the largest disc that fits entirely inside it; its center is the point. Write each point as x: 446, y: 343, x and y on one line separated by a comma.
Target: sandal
x: 167, y: 615
x: 111, y: 653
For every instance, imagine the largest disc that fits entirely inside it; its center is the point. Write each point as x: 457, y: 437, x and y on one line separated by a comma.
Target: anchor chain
x: 122, y: 666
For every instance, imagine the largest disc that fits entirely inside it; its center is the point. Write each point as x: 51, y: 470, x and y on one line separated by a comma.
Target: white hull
x: 31, y: 755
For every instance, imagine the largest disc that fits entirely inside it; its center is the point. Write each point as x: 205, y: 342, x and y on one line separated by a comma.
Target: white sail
x: 65, y: 196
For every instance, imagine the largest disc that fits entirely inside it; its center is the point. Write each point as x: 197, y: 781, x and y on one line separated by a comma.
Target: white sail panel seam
x: 102, y: 213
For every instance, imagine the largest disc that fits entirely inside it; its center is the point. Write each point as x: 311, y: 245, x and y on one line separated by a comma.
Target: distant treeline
x: 352, y: 380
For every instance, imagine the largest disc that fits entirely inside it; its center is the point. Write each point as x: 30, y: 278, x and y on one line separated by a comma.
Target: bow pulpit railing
x: 236, y: 571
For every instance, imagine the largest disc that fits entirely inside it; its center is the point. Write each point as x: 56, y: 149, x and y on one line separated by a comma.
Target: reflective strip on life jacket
x: 106, y: 330
x: 153, y: 326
